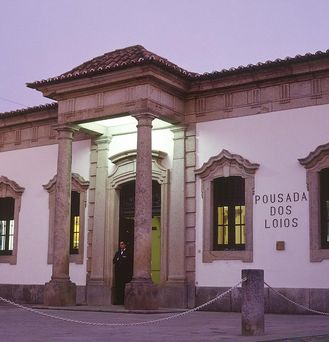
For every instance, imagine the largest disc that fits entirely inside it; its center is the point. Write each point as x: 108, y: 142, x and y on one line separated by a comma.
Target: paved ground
x: 17, y: 325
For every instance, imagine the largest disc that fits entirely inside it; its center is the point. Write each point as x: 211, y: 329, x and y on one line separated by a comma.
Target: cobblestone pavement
x: 18, y: 325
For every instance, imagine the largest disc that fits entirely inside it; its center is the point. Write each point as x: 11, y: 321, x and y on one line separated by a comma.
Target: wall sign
x: 281, y: 208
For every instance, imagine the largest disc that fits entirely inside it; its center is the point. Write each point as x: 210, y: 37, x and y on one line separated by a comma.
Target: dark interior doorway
x: 126, y: 222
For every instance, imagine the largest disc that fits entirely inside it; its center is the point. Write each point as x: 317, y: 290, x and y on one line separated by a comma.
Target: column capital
x: 144, y: 119
x: 178, y: 128
x: 66, y: 128
x: 103, y: 139
x: 178, y: 131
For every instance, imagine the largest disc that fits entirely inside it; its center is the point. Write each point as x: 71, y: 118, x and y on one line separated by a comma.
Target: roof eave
x: 179, y: 72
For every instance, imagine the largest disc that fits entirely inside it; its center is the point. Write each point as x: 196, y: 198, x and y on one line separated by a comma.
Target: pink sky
x: 44, y: 38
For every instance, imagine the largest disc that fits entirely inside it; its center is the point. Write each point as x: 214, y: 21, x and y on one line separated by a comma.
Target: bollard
x: 252, y: 306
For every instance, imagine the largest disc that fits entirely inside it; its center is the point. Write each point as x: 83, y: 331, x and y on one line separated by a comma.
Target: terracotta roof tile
x: 262, y: 65
x: 138, y: 55
x: 118, y: 59
x: 45, y: 107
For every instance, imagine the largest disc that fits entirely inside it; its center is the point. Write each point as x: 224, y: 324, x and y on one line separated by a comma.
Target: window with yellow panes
x: 229, y: 213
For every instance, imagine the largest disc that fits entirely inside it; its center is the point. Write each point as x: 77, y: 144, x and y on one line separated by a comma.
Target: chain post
x: 252, y: 307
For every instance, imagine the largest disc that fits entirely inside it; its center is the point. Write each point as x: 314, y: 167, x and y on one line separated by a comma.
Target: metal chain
x: 297, y: 304
x: 218, y: 297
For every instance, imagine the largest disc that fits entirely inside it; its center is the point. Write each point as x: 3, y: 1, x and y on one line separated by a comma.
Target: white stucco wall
x: 275, y: 141
x: 162, y: 140
x: 32, y: 168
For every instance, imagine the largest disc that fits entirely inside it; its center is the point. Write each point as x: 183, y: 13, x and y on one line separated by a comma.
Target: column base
x: 59, y: 293
x: 173, y: 294
x: 141, y: 294
x: 98, y: 293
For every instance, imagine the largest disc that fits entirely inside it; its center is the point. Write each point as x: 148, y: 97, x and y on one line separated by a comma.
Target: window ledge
x: 210, y: 256
x: 8, y: 259
x: 318, y: 255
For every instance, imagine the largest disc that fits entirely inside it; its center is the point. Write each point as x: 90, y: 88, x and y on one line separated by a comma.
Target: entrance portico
x: 145, y: 94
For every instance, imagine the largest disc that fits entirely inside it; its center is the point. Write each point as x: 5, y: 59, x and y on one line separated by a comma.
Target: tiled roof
x: 138, y: 55
x: 262, y: 65
x: 115, y: 60
x: 40, y: 108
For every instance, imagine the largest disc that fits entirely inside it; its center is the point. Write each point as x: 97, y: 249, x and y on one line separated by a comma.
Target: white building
x: 238, y: 159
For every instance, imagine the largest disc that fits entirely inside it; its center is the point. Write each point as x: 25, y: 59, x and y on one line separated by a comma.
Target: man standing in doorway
x: 122, y: 271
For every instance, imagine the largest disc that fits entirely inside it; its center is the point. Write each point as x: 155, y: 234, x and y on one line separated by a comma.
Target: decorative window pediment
x: 125, y: 167
x: 317, y: 163
x: 10, y: 222
x: 226, y: 164
x: 9, y: 187
x: 78, y: 183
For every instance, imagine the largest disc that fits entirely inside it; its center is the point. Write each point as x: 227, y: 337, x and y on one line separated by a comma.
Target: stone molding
x: 31, y: 135
x: 314, y: 163
x: 233, y: 96
x: 190, y: 211
x: 125, y: 171
x: 248, y: 98
x: 98, y: 260
x: 226, y: 164
x: 226, y: 160
x: 125, y: 167
x: 80, y: 185
x: 9, y: 188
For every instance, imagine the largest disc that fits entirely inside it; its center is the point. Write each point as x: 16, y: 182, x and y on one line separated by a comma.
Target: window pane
x: 238, y: 235
x: 324, y: 207
x: 229, y: 215
x: 76, y: 231
x: 326, y: 234
x: 2, y: 235
x: 243, y: 234
x: 2, y: 227
x: 75, y: 222
x: 222, y: 237
x: 225, y: 235
x: 239, y: 225
x: 11, y: 235
x: 7, y: 208
x: 220, y: 216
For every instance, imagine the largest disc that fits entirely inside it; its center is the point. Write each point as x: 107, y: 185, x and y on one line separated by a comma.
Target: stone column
x: 252, y: 306
x: 175, y: 289
x: 60, y: 291
x: 98, y: 289
x: 141, y: 293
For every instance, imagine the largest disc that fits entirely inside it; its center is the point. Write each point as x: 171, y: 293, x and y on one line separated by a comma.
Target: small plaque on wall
x: 280, y: 246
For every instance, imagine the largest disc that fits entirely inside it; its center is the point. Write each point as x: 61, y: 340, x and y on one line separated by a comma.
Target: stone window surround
x: 81, y: 186
x: 226, y: 164
x: 316, y: 161
x: 9, y: 188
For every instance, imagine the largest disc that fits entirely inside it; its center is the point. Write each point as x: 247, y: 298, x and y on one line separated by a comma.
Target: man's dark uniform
x: 123, y: 273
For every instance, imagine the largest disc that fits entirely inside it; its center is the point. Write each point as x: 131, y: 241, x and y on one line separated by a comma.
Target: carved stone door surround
x: 125, y: 171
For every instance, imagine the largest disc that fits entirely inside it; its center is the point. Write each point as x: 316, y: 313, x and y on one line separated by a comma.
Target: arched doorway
x: 126, y: 223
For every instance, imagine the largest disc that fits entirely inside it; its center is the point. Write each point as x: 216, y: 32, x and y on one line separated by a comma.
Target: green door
x: 156, y: 238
